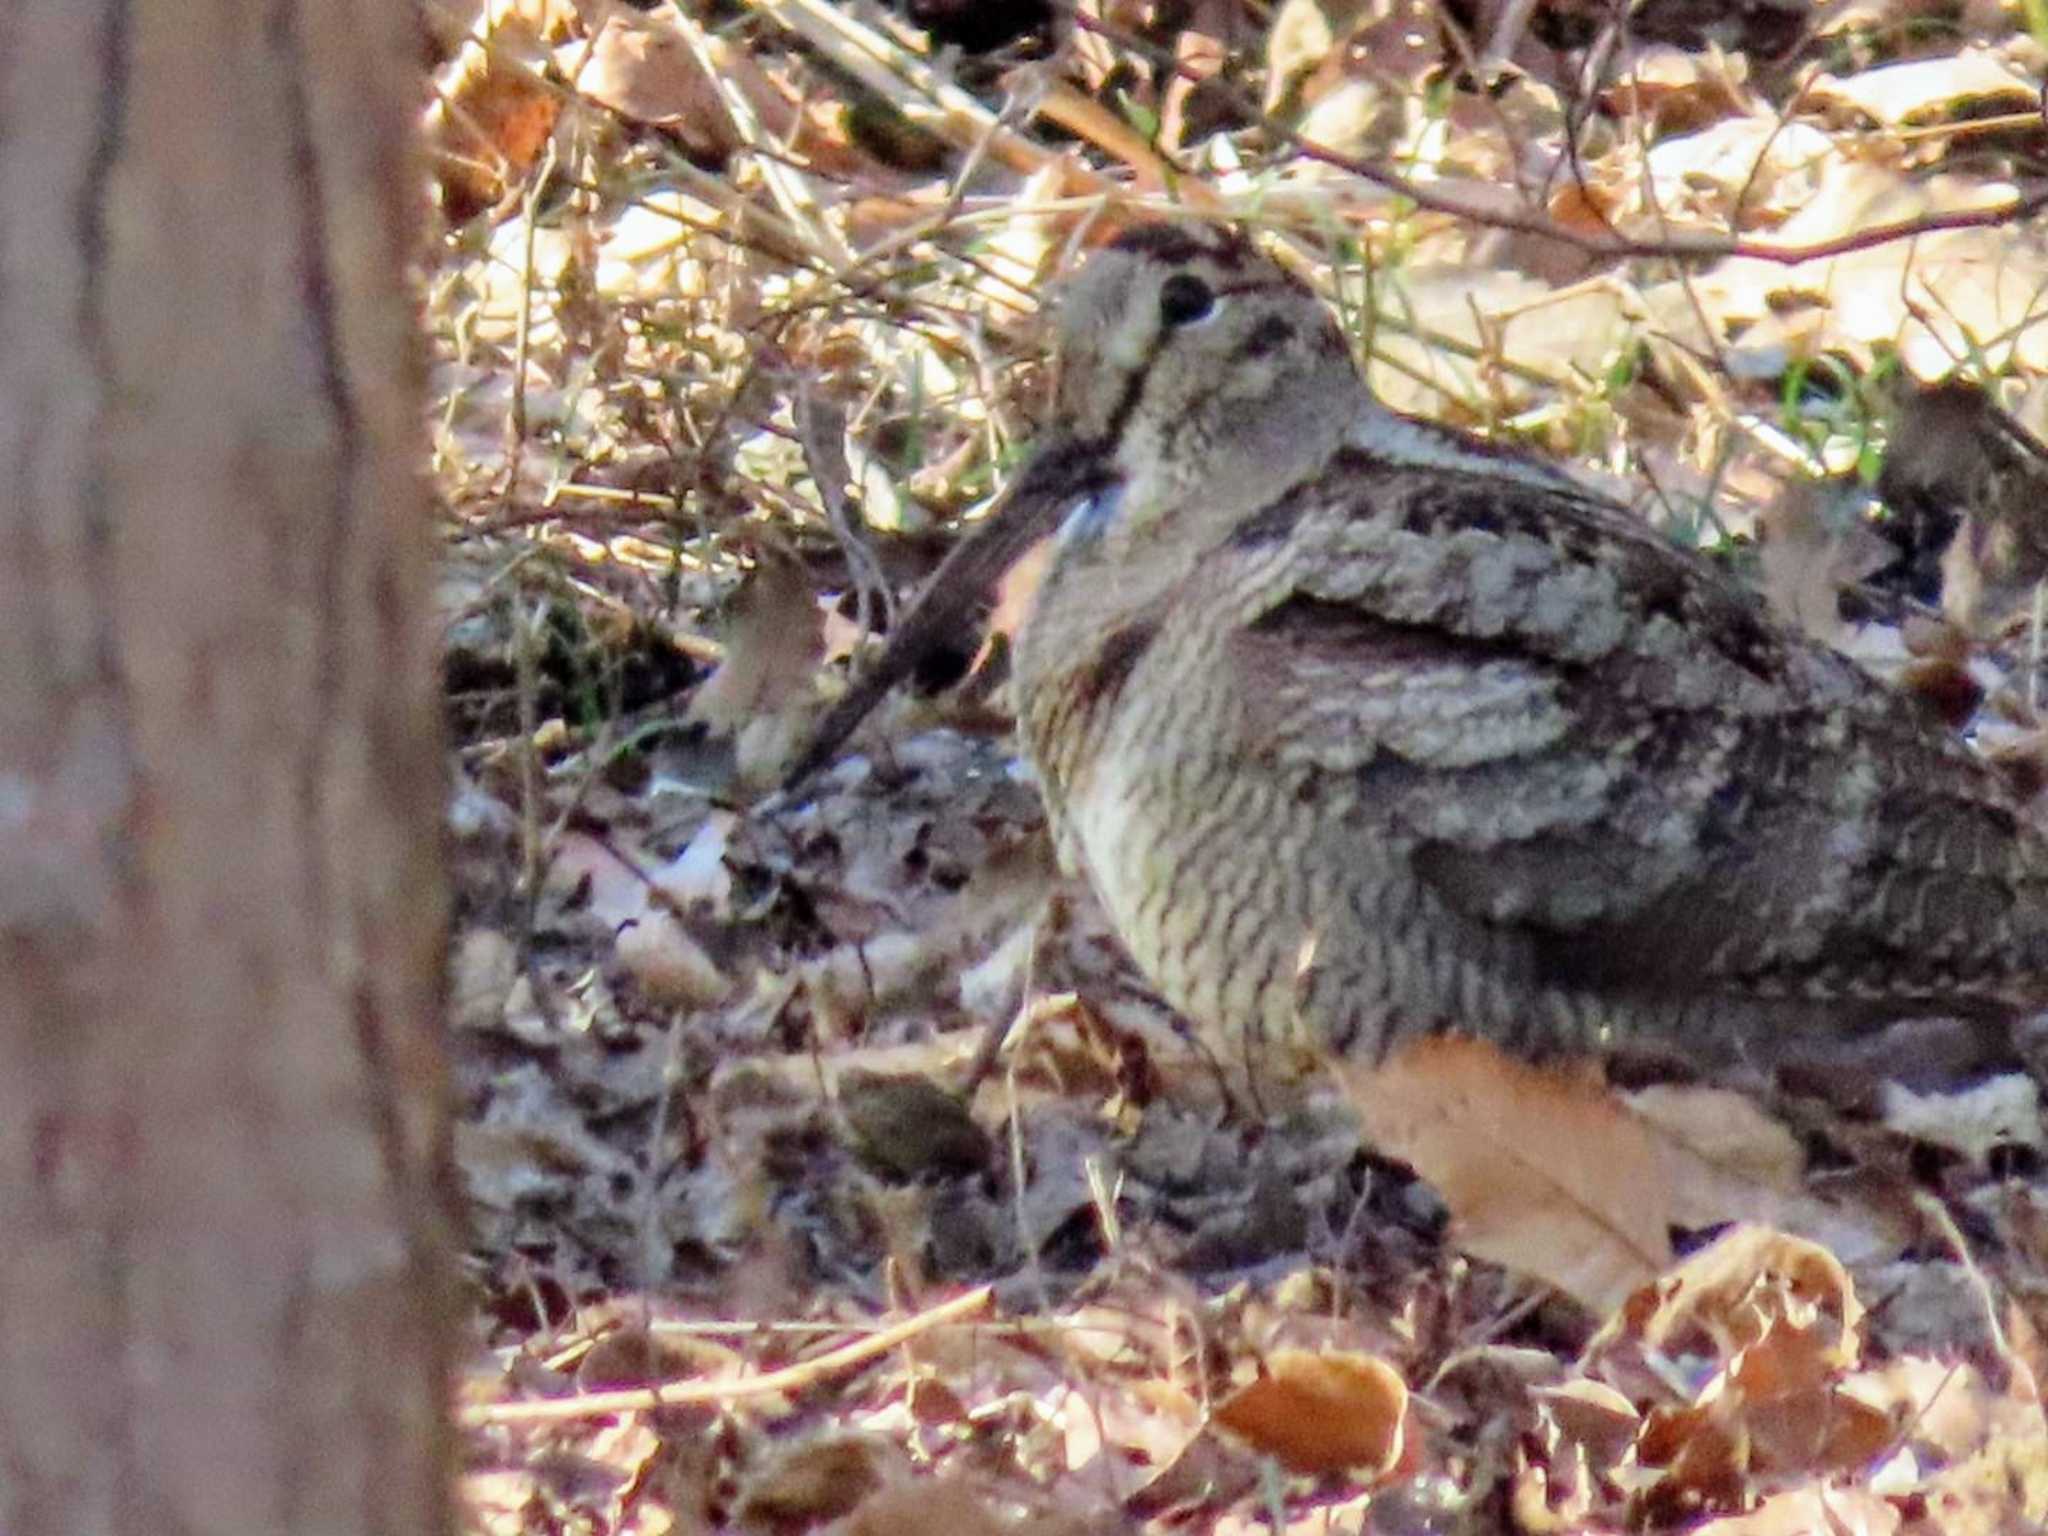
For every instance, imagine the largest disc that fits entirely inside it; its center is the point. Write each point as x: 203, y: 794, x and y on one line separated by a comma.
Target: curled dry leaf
x: 1731, y: 1294
x: 1322, y: 1414
x: 1781, y: 1317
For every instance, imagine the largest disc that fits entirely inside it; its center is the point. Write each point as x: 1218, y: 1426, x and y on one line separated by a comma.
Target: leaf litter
x: 735, y: 317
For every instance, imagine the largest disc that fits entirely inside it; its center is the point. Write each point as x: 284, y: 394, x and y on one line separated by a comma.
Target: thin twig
x: 1673, y: 248
x: 821, y: 428
x: 793, y: 1378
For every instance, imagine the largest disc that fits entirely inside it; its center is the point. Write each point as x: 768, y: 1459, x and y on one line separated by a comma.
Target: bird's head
x: 1194, y: 360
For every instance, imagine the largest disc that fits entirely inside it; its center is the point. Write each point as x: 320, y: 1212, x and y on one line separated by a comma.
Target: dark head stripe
x: 1178, y: 243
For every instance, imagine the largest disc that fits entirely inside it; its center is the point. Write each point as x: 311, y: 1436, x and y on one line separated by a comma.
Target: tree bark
x: 222, y: 1274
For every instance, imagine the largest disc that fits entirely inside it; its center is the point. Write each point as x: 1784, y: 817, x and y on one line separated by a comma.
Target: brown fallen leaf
x: 1679, y: 90
x: 642, y: 67
x: 1542, y: 1172
x: 651, y: 940
x: 1323, y: 1414
x: 1554, y: 1174
x: 1781, y: 1317
x: 1594, y: 1414
x: 491, y: 115
x: 1730, y: 1294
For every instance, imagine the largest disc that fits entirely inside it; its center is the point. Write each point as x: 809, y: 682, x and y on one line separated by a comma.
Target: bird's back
x: 1420, y: 746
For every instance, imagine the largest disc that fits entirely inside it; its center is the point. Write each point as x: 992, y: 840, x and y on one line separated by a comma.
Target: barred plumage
x: 1362, y: 727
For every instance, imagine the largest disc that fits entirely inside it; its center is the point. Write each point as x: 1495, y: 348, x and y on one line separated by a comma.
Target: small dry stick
x: 794, y: 1378
x: 821, y: 427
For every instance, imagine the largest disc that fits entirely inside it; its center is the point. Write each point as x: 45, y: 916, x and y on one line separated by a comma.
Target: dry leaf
x: 1322, y: 1414
x: 651, y: 942
x: 1595, y: 1415
x: 1094, y: 123
x: 758, y: 692
x: 1544, y: 1173
x: 1585, y: 209
x: 1930, y: 90
x: 671, y: 967
x: 1725, y: 1158
x: 1782, y: 1317
x: 1761, y: 164
x: 1726, y: 1130
x: 492, y: 114
x: 1677, y: 89
x: 811, y: 1483
x: 1304, y: 36
x: 1559, y: 1177
x: 1810, y: 551
x: 1729, y: 1295
x: 642, y: 67
x: 773, y: 643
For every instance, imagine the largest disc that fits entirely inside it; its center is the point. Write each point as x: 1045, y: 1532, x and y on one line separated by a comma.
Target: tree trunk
x: 222, y: 1276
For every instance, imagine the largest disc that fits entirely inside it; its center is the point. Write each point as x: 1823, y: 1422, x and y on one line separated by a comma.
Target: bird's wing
x: 1589, y: 735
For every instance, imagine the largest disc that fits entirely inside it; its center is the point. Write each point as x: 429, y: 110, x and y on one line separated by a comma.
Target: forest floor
x: 827, y: 1164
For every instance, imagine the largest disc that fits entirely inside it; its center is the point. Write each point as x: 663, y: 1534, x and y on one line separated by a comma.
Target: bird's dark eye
x: 1184, y: 299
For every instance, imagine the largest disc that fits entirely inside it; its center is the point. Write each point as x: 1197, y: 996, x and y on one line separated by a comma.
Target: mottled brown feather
x: 1361, y: 728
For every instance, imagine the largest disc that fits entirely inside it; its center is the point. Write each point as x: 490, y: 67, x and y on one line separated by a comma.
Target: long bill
x: 1028, y: 510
